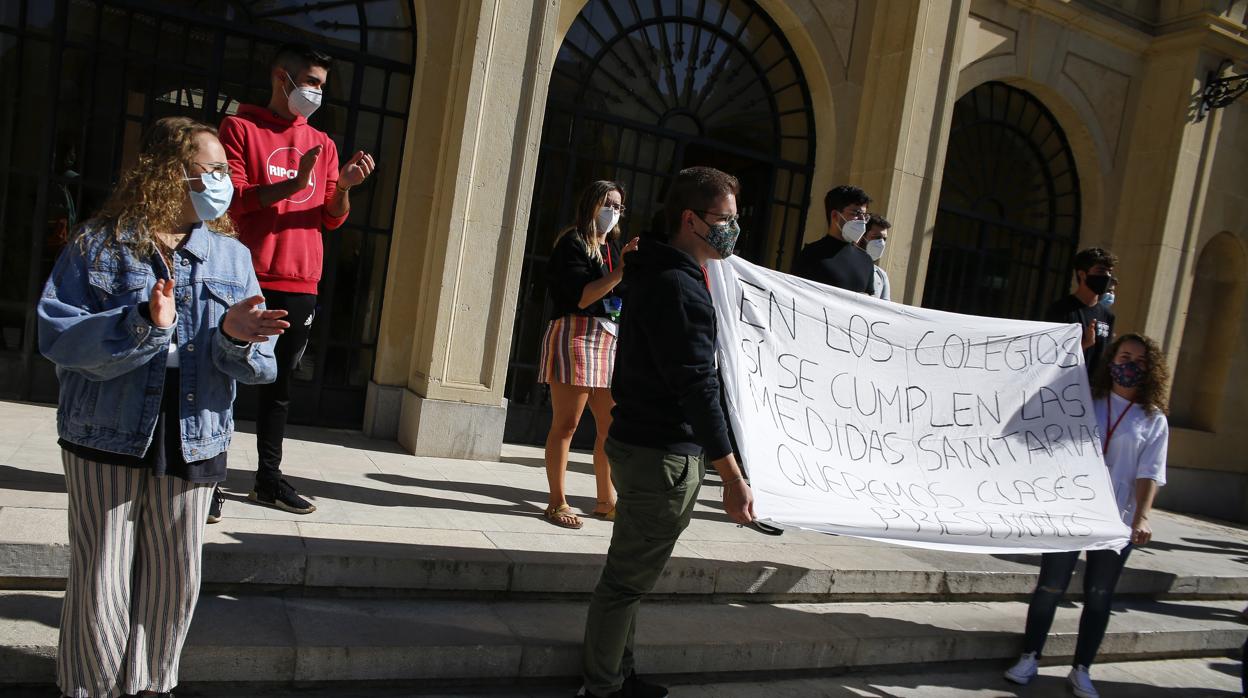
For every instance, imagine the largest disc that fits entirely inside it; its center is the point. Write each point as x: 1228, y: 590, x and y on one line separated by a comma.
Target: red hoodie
x: 285, y: 238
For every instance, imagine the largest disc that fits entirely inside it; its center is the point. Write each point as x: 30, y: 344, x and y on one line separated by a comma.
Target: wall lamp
x: 1220, y: 91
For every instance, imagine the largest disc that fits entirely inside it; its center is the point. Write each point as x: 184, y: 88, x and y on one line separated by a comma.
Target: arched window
x: 83, y: 78
x: 1007, y: 224
x: 1210, y: 335
x: 640, y: 91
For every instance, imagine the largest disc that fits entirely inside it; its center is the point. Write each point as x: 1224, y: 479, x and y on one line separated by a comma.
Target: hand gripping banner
x: 866, y: 418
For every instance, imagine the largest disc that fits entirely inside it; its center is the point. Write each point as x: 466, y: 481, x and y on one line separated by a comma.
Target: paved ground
x: 370, y: 493
x: 1180, y: 678
x: 377, y: 503
x: 1177, y: 678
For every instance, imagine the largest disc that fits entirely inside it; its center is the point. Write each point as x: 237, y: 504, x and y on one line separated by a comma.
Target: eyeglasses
x: 724, y: 217
x: 860, y: 214
x: 219, y: 171
x: 618, y: 208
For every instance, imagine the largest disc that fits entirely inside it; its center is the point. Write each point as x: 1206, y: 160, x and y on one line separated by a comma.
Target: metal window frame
x: 26, y: 367
x: 569, y: 94
x: 952, y: 260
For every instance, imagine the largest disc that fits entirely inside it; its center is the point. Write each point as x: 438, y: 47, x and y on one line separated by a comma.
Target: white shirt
x: 1136, y: 451
x: 173, y: 345
x: 882, y: 290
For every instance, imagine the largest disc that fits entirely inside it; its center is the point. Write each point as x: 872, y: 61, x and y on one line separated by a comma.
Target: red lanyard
x: 706, y: 280
x: 1109, y: 410
x: 610, y: 267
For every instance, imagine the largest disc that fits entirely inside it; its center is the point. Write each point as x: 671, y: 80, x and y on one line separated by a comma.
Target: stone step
x: 282, y: 639
x: 309, y: 558
x: 1192, y: 677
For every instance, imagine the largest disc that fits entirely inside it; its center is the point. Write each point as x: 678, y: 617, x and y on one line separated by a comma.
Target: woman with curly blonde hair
x: 151, y: 316
x: 1129, y: 400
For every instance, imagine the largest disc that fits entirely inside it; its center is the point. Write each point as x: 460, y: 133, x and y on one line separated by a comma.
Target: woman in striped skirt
x: 578, y: 349
x: 151, y: 315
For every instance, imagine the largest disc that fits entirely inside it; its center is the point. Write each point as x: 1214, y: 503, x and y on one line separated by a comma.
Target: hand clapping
x: 247, y: 322
x: 357, y: 169
x: 161, y: 307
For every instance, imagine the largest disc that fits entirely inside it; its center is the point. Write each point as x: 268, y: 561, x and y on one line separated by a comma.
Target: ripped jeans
x: 1099, y: 579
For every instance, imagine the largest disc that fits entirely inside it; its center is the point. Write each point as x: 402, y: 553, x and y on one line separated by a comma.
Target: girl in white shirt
x: 1129, y: 400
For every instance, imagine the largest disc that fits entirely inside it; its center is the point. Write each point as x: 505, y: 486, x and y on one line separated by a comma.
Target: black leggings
x: 274, y: 398
x: 1099, y: 580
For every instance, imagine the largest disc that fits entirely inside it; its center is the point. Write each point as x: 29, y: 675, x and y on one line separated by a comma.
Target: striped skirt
x: 577, y: 350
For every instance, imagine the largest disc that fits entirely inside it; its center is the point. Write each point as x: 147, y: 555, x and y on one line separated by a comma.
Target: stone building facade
x: 1120, y: 79
x: 997, y: 135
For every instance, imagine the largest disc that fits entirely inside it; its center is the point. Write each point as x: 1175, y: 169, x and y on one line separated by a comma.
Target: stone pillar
x: 1166, y: 176
x: 470, y: 156
x: 909, y: 79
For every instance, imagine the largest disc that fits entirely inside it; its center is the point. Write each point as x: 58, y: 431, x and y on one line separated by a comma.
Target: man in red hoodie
x: 287, y: 186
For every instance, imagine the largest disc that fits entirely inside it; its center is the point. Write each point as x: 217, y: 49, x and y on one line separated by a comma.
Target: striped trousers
x: 134, y: 570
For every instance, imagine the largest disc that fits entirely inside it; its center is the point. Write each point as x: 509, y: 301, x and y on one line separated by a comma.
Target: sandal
x: 563, y: 517
x: 608, y: 515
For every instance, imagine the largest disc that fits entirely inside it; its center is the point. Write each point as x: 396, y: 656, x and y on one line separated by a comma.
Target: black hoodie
x: 665, y: 383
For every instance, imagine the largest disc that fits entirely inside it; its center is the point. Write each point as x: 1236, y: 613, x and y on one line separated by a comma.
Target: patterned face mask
x: 1128, y: 374
x: 722, y: 237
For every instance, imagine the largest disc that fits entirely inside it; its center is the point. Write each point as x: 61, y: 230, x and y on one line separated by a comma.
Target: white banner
x: 867, y: 418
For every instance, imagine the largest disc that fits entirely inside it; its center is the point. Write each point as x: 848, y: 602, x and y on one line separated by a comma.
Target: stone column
x: 909, y: 78
x: 470, y: 156
x: 1166, y: 176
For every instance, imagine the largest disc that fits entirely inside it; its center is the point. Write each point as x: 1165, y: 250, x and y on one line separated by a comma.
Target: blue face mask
x: 212, y: 203
x: 1107, y: 298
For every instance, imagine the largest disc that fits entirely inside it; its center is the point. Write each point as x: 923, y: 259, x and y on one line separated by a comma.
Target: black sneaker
x: 634, y: 687
x: 214, y: 509
x: 282, y: 496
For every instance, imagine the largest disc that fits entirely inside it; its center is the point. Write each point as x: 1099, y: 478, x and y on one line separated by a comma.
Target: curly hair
x: 1152, y: 392
x: 149, y: 198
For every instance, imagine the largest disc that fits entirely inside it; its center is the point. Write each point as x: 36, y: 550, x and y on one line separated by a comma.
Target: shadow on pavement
x: 31, y: 480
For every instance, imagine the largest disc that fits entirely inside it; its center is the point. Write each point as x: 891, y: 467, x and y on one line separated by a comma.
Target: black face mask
x: 1099, y: 283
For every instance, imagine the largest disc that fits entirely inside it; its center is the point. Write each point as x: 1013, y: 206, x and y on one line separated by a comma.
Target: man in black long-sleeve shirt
x: 667, y: 420
x: 836, y: 259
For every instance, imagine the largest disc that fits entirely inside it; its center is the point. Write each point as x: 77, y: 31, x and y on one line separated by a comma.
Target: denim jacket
x: 110, y: 359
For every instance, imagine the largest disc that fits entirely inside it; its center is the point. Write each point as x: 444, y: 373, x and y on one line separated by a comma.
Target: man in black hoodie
x: 667, y: 421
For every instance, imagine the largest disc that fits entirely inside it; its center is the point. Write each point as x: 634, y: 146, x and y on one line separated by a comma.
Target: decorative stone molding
x: 986, y: 39
x: 1105, y: 89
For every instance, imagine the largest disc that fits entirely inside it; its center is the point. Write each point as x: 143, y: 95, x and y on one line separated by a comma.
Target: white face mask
x: 303, y: 101
x: 607, y: 219
x: 875, y: 248
x: 852, y: 231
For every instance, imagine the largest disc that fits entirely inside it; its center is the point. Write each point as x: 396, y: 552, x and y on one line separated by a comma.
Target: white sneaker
x: 1081, y: 683
x: 1025, y: 670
